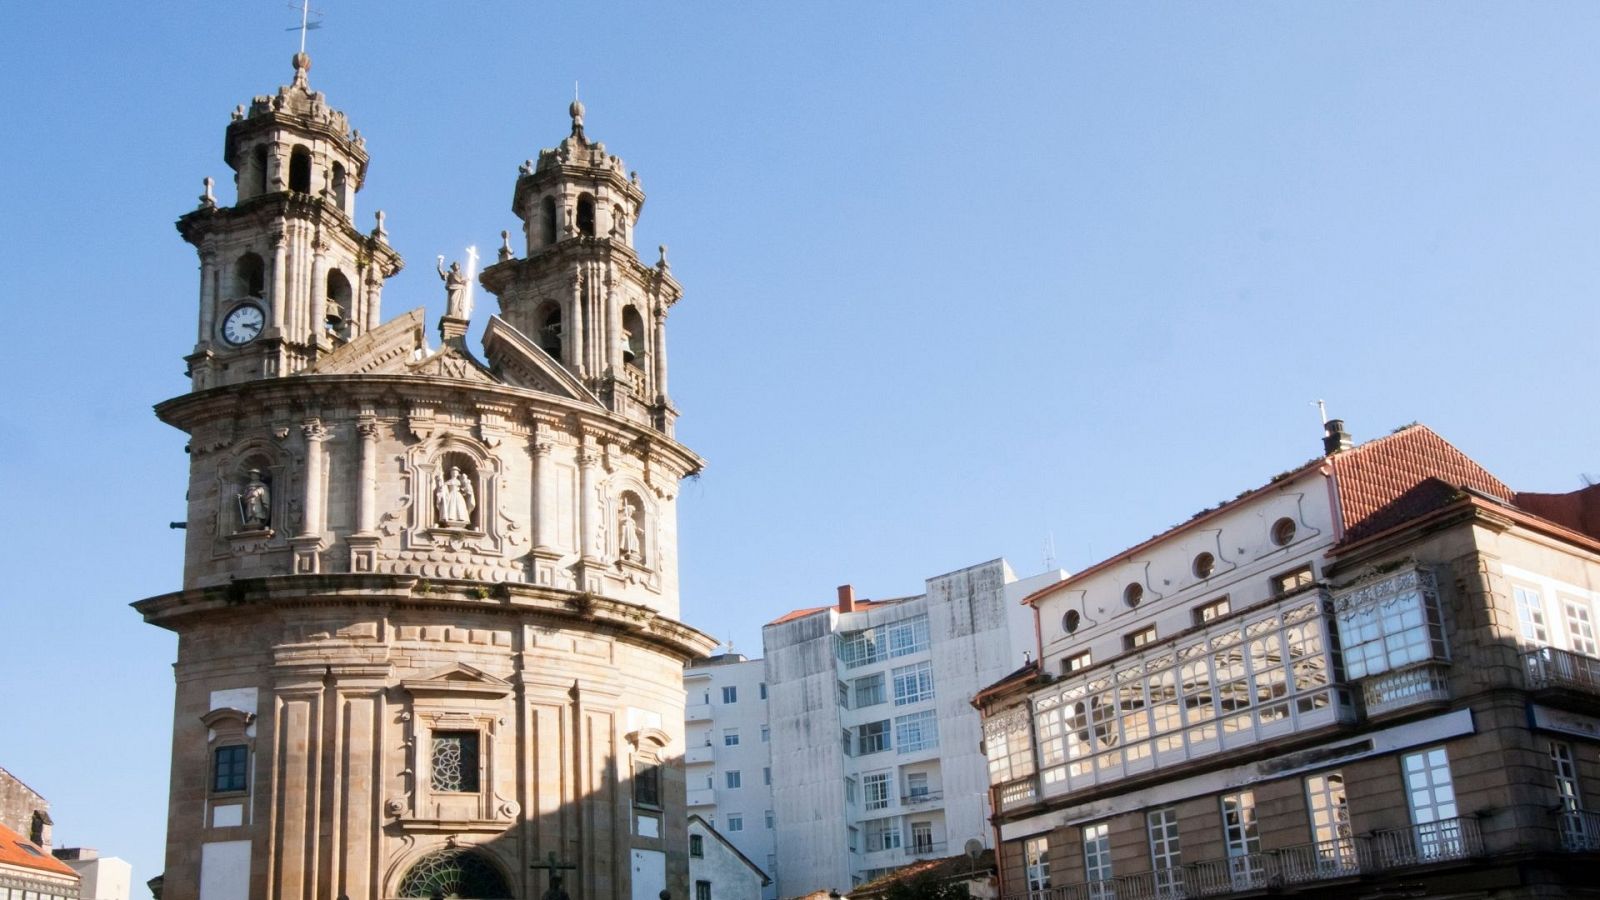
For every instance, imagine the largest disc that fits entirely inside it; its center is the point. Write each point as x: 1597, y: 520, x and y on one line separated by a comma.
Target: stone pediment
x: 451, y: 361
x: 385, y: 350
x: 457, y: 680
x: 523, y: 363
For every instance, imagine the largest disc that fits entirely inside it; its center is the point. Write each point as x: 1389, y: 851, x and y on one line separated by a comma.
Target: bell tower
x: 582, y: 294
x: 285, y: 275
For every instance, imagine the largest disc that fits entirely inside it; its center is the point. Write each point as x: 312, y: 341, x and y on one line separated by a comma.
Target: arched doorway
x: 455, y: 874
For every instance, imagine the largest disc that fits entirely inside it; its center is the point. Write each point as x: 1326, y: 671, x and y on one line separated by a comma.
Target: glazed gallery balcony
x: 1380, y: 853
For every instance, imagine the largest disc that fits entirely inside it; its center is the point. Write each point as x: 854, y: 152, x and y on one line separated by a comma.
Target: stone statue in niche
x: 255, y: 503
x: 453, y: 499
x: 628, y: 531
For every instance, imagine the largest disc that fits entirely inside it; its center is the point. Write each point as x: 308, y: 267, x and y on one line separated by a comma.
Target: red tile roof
x: 1578, y: 510
x: 802, y: 613
x: 1393, y: 479
x: 16, y: 850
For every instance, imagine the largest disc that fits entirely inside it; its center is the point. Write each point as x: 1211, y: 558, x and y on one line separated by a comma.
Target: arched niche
x: 455, y: 872
x: 255, y: 177
x: 548, y: 329
x: 440, y: 470
x: 633, y: 342
x: 338, y: 307
x: 547, y: 221
x: 586, y: 215
x: 457, y: 492
x: 632, y: 532
x: 300, y: 169
x: 339, y: 188
x: 619, y: 223
x: 249, y: 276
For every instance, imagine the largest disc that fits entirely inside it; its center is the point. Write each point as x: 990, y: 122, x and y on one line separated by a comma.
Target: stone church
x: 429, y: 637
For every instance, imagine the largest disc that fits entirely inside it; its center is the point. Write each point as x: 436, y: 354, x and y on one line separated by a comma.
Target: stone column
x: 208, y: 291
x: 574, y: 327
x: 280, y: 263
x: 319, y: 291
x: 308, y: 544
x: 365, y: 541
x: 374, y: 298
x: 659, y: 354
x: 543, y: 490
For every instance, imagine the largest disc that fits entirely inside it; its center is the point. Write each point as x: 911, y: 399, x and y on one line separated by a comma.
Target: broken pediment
x: 523, y: 363
x: 385, y: 350
x: 451, y: 361
x: 455, y: 681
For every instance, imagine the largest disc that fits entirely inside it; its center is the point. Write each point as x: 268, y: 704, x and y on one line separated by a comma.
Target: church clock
x: 243, y: 324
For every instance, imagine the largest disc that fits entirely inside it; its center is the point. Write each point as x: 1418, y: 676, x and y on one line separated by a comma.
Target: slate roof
x: 16, y: 850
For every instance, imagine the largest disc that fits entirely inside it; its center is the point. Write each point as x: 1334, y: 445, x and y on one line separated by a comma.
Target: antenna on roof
x: 305, y: 23
x: 1322, y: 408
x: 1049, y: 550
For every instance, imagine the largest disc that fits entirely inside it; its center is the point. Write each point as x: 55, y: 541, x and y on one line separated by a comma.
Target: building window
x: 852, y: 838
x: 1008, y: 742
x: 1580, y: 627
x: 1210, y: 612
x: 869, y: 690
x: 730, y: 694
x: 844, y: 695
x: 229, y: 767
x: 1133, y: 640
x: 849, y: 745
x: 647, y: 784
x: 1390, y: 624
x: 873, y: 737
x: 1036, y: 863
x: 1530, y: 616
x: 455, y: 762
x: 850, y: 789
x: 732, y: 776
x: 1076, y: 663
x: 771, y: 819
x: 1291, y: 581
x: 1096, y: 855
x: 1577, y: 829
x: 735, y: 822
x: 908, y: 637
x: 1330, y: 821
x: 761, y: 690
x: 1165, y: 855
x: 921, y: 837
x: 1283, y: 531
x: 883, y: 834
x: 766, y: 774
x: 913, y: 684
x: 916, y: 785
x: 876, y: 787
x: 859, y: 648
x: 1133, y: 594
x: 697, y: 846
x: 1070, y: 620
x: 730, y: 737
x: 1431, y: 796
x: 916, y: 731
x: 1244, y: 841
x: 1204, y: 565
x: 702, y: 890
x: 766, y: 734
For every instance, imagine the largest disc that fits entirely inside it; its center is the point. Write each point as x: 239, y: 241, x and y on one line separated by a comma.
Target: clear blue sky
x: 959, y: 276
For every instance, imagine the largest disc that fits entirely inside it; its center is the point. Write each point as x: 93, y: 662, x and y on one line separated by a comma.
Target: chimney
x: 847, y: 598
x: 1334, y: 437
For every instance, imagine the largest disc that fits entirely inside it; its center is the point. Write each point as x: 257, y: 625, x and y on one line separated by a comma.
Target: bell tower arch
x: 581, y: 294
x: 285, y: 275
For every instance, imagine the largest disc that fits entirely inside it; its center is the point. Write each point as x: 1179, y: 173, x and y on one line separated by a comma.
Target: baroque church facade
x: 429, y: 636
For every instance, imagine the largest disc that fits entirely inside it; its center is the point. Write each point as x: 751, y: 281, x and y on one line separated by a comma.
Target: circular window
x: 1132, y: 594
x: 1283, y: 531
x: 1070, y: 621
x: 1204, y: 565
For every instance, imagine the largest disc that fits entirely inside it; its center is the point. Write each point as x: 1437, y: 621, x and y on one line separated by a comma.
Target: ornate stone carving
x: 453, y: 498
x: 255, y: 503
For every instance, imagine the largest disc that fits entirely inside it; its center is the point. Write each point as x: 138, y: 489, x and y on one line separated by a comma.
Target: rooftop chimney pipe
x: 1335, y: 438
x: 847, y: 598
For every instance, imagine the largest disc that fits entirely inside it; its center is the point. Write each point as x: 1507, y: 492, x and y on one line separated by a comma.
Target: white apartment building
x: 874, y: 750
x: 727, y: 760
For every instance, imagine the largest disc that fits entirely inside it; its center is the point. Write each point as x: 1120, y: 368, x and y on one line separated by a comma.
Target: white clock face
x: 243, y: 324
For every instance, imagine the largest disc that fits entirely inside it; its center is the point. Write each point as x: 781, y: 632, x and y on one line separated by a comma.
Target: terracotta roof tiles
x: 16, y: 850
x: 1414, y: 471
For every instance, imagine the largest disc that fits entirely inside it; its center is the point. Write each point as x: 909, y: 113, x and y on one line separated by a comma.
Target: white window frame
x: 1097, y: 859
x: 916, y: 731
x: 1580, y: 626
x: 1036, y: 864
x: 875, y: 791
x: 913, y: 683
x: 1166, y: 850
x: 1243, y: 839
x: 1531, y: 622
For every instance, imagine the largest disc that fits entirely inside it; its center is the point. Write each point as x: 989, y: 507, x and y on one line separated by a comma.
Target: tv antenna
x: 1322, y: 409
x: 1049, y: 550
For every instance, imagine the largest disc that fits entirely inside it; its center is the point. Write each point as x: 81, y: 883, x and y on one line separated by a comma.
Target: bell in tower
x: 285, y: 275
x: 582, y: 295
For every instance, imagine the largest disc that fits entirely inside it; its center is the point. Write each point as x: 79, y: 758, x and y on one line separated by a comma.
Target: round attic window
x: 1283, y: 531
x: 1204, y: 565
x: 1133, y: 594
x: 1070, y: 621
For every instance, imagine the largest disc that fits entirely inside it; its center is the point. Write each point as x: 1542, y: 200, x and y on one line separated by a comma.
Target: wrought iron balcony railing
x: 1444, y: 841
x: 1551, y: 667
x: 1580, y: 831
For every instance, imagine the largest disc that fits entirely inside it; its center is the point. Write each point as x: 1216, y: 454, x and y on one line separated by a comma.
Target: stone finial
x: 662, y: 262
x: 238, y: 112
x: 207, y: 199
x: 377, y: 228
x: 302, y: 65
x: 505, y: 246
x: 576, y: 111
x: 526, y: 168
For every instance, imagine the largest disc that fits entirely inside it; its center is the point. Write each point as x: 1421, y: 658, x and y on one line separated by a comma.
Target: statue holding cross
x: 555, y: 891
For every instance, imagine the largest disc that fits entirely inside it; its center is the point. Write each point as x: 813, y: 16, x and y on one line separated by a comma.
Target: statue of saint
x: 627, y: 531
x: 455, y: 289
x: 453, y: 499
x: 255, y: 503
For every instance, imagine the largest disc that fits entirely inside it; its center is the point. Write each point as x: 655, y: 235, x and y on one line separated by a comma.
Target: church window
x: 338, y: 307
x: 340, y: 186
x: 547, y: 221
x: 632, y: 337
x: 228, y: 768
x: 586, y: 215
x: 300, y: 170
x: 256, y: 175
x: 249, y: 276
x: 647, y: 784
x: 549, y: 329
x: 455, y: 762
x: 454, y: 873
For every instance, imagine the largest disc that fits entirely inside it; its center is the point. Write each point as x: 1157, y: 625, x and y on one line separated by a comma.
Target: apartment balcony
x: 1423, y: 683
x: 1580, y: 831
x: 699, y: 755
x: 922, y: 799
x: 925, y: 849
x: 1549, y: 668
x: 697, y: 712
x: 1348, y: 858
x: 702, y: 797
x: 1019, y: 793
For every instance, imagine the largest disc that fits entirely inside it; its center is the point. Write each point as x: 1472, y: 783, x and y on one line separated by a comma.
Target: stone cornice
x: 530, y: 604
x: 196, y: 225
